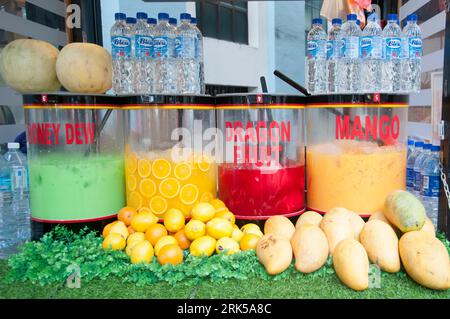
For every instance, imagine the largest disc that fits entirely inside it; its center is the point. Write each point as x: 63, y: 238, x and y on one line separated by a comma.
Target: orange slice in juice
x: 144, y: 168
x: 147, y: 187
x: 182, y: 171
x: 161, y: 168
x: 131, y: 182
x: 189, y: 194
x: 169, y: 187
x: 135, y: 200
x: 144, y: 210
x: 158, y: 205
x: 131, y: 163
x: 204, y: 164
x: 206, y: 197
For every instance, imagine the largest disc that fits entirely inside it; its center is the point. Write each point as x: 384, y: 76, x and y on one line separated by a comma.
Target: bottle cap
x: 372, y: 17
x: 418, y: 144
x: 120, y: 16
x: 185, y: 16
x: 392, y: 17
x: 163, y: 16
x: 131, y: 20
x: 317, y: 21
x: 13, y: 146
x: 336, y: 21
x: 427, y: 146
x: 412, y: 17
x: 352, y: 17
x: 173, y: 21
x: 358, y: 22
x: 141, y: 16
x: 193, y: 20
x: 435, y: 148
x: 151, y: 21
x: 410, y: 142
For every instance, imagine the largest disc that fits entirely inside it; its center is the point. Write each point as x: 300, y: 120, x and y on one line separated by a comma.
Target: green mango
x: 405, y: 211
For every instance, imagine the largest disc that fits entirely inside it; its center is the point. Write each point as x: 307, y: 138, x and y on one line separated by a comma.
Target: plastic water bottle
x: 121, y: 54
x: 431, y: 184
x: 418, y: 167
x: 173, y: 23
x: 410, y: 147
x: 370, y: 53
x: 8, y: 225
x: 316, y: 59
x: 391, y: 71
x: 164, y: 46
x: 349, y: 66
x: 185, y: 51
x: 410, y: 178
x: 142, y: 44
x: 334, y: 53
x: 17, y: 163
x: 199, y: 56
x: 151, y: 22
x: 411, y: 69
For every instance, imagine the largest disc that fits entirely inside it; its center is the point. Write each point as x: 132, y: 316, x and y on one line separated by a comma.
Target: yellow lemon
x: 131, y: 245
x: 218, y: 228
x: 228, y: 245
x: 114, y: 241
x: 237, y: 234
x: 206, y: 197
x: 119, y: 228
x: 158, y: 205
x: 227, y: 215
x: 174, y: 220
x: 161, y: 168
x: 182, y: 171
x: 217, y: 203
x: 144, y: 168
x: 169, y: 187
x: 141, y: 222
x: 203, y: 246
x: 135, y: 236
x: 222, y: 209
x: 142, y: 252
x: 249, y: 227
x: 166, y: 240
x: 188, y: 194
x: 147, y: 187
x: 248, y: 241
x: 195, y: 229
x: 203, y: 212
x: 134, y: 200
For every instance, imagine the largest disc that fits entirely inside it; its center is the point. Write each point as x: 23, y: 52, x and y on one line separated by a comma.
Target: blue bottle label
x: 430, y: 186
x: 417, y: 181
x: 178, y: 47
x: 393, y: 48
x: 121, y: 47
x: 161, y: 47
x: 410, y: 178
x: 143, y: 46
x: 334, y: 49
x: 415, y: 47
x: 351, y: 47
x: 316, y: 49
x: 370, y: 47
x: 5, y: 183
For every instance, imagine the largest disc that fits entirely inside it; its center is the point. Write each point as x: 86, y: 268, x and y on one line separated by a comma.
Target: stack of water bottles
x: 157, y: 57
x: 350, y: 60
x: 423, y: 175
x: 15, y: 224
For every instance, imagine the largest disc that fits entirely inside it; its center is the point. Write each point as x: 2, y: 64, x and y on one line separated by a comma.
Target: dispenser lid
x: 181, y: 101
x: 64, y: 100
x: 259, y: 100
x: 358, y: 100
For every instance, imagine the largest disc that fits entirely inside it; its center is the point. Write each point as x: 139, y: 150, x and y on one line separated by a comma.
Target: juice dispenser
x: 262, y: 166
x: 356, y: 152
x: 75, y: 157
x: 169, y: 152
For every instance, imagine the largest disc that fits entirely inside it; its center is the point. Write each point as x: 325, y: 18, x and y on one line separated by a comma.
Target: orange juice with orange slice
x: 155, y: 182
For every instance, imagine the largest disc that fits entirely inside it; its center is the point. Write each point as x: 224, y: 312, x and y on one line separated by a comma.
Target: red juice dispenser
x: 356, y: 152
x: 261, y: 169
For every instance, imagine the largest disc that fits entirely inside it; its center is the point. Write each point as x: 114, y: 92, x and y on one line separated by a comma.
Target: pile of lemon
x: 211, y: 229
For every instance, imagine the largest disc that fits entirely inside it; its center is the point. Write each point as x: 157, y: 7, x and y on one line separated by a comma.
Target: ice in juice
x: 156, y: 182
x: 68, y: 187
x: 354, y: 175
x: 251, y: 192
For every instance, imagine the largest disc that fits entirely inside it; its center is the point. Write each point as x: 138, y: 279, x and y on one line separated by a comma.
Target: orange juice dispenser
x: 356, y: 150
x: 261, y: 171
x: 169, y: 152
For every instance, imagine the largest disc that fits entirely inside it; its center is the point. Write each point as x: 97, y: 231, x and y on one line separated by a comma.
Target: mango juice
x: 354, y: 175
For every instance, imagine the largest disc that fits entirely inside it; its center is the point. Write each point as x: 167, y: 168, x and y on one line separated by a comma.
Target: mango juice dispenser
x: 262, y: 166
x: 169, y: 152
x: 356, y: 150
x: 75, y: 158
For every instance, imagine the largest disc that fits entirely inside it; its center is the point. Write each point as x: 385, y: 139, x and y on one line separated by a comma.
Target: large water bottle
x: 349, y: 66
x: 152, y: 22
x: 185, y: 51
x: 199, y: 56
x: 431, y: 184
x: 370, y: 53
x: 391, y: 70
x: 316, y: 62
x: 143, y: 45
x: 164, y: 46
x: 121, y: 54
x: 411, y: 70
x: 8, y: 225
x: 418, y: 168
x: 418, y: 148
x: 334, y: 53
x: 17, y: 163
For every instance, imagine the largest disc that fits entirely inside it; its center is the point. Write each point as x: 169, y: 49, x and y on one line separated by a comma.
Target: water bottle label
x: 351, y: 47
x: 19, y: 178
x: 121, y: 47
x: 415, y: 48
x: 393, y: 48
x: 333, y: 49
x: 417, y: 181
x: 430, y: 186
x: 410, y: 178
x: 316, y: 49
x: 370, y: 47
x: 161, y: 47
x: 178, y: 46
x: 143, y: 47
x: 5, y: 184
